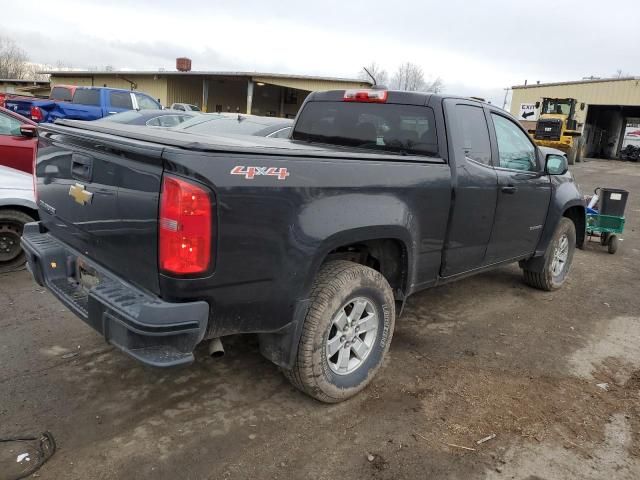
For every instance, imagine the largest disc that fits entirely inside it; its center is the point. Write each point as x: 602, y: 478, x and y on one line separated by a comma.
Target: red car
x: 17, y: 141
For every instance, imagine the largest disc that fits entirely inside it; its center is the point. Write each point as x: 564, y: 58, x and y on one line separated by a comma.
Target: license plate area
x: 86, y: 275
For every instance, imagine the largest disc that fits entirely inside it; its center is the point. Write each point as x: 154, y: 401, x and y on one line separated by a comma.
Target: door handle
x: 509, y: 189
x: 81, y: 167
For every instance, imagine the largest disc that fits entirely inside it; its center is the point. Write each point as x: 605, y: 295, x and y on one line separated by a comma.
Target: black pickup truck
x: 162, y: 240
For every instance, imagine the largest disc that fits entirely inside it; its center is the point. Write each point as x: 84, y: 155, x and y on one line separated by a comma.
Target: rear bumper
x: 155, y: 332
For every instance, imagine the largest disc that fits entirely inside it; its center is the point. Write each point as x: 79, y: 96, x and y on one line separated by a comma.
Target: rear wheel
x: 612, y: 246
x: 11, y: 225
x: 558, y: 259
x: 604, y: 239
x: 346, y: 332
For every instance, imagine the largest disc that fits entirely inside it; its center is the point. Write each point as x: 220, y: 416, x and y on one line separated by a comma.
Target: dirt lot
x: 483, y: 356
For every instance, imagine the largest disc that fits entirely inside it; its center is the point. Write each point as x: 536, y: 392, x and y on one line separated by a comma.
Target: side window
x: 120, y: 100
x: 146, y: 103
x: 475, y: 133
x: 514, y: 147
x: 9, y: 126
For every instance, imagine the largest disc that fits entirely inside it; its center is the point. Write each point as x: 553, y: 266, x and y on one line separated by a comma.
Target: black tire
x: 337, y: 283
x: 604, y: 239
x: 612, y: 246
x: 11, y: 226
x: 546, y: 279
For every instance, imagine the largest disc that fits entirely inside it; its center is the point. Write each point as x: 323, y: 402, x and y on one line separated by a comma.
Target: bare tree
x: 13, y: 60
x: 379, y: 73
x: 620, y: 74
x: 34, y: 72
x: 409, y: 77
x: 434, y: 86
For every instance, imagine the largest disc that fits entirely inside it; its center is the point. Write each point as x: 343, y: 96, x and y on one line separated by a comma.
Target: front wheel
x: 346, y: 333
x: 558, y: 259
x: 612, y: 244
x: 11, y: 225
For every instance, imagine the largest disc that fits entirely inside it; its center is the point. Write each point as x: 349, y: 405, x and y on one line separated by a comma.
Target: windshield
x: 125, y: 117
x: 556, y: 106
x: 406, y: 129
x: 194, y: 108
x: 220, y: 124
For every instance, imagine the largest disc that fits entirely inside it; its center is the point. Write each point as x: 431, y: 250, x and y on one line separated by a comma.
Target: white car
x: 17, y: 207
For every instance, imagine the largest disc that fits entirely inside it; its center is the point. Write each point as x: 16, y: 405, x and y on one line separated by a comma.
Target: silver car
x: 17, y: 207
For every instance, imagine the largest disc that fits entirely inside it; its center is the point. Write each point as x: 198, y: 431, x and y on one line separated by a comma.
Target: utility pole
x: 506, y: 94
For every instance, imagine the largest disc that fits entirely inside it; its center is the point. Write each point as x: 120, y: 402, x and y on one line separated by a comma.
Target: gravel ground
x: 554, y: 376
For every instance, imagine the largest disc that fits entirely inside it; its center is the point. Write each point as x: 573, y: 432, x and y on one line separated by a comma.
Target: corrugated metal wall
x: 228, y: 93
x: 153, y: 85
x: 184, y: 90
x: 614, y: 92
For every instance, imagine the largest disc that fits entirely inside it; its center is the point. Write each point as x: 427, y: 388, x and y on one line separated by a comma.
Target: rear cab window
x: 87, y: 96
x: 62, y: 94
x: 384, y: 127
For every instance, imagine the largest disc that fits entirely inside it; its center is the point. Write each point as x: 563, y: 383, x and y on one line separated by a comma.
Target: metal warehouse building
x: 265, y: 94
x: 607, y: 112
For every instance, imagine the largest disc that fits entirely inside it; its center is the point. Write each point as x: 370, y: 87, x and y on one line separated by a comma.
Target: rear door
x: 475, y: 187
x: 99, y: 194
x: 524, y: 191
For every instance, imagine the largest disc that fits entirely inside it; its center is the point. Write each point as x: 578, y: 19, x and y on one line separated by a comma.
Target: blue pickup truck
x: 88, y: 103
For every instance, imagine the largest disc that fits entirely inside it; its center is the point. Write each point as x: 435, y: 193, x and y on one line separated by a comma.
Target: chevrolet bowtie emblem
x: 79, y: 194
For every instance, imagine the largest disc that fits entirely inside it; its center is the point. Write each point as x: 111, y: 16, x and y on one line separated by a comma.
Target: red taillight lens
x: 367, y: 96
x: 185, y: 227
x: 2, y: 100
x: 36, y: 114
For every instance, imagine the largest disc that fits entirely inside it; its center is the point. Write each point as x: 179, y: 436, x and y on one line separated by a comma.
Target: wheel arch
x: 385, y: 249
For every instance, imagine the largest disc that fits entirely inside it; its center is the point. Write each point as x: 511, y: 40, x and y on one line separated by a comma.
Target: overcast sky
x: 477, y: 48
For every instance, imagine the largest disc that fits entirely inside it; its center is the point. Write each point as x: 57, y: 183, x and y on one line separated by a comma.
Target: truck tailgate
x: 99, y: 194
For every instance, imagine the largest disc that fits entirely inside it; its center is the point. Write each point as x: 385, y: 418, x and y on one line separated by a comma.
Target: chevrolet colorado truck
x: 161, y: 240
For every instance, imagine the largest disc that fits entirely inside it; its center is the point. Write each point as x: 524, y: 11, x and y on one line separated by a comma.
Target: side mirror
x: 556, y: 164
x: 537, y: 104
x: 28, y: 131
x: 582, y: 105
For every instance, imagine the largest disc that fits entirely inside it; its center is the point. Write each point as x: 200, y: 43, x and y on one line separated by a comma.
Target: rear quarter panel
x: 272, y: 235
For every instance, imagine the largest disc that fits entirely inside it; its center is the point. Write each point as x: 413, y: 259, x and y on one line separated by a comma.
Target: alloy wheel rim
x: 560, y: 256
x: 352, y: 335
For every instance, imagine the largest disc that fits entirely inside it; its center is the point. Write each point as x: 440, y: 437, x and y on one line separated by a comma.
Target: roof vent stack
x: 183, y: 64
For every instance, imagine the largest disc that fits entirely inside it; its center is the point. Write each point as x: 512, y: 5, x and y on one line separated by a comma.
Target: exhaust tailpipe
x: 216, y: 350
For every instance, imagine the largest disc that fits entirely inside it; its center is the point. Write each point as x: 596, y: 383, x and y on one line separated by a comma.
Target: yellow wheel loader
x: 557, y: 127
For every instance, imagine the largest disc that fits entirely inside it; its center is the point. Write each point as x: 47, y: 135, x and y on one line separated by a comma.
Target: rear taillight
x: 366, y: 96
x: 36, y: 114
x: 185, y: 227
x: 2, y: 100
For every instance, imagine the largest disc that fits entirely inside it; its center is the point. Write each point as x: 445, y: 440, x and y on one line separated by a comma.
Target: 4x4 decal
x: 251, y: 172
